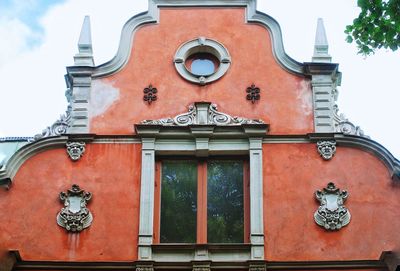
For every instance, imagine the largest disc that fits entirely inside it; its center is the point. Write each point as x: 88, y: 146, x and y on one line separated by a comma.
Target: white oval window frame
x: 202, y: 45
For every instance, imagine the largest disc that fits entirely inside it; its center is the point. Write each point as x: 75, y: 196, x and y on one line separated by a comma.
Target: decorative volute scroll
x: 343, y: 125
x: 75, y: 150
x: 332, y: 214
x: 75, y: 217
x: 57, y: 128
x: 202, y: 113
x: 326, y: 148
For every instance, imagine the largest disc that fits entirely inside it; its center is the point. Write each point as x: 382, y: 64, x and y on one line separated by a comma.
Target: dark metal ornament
x: 253, y: 93
x: 150, y: 94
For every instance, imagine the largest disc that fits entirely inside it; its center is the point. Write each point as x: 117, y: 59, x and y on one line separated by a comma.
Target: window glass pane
x: 178, y: 202
x: 225, y: 201
x: 202, y: 67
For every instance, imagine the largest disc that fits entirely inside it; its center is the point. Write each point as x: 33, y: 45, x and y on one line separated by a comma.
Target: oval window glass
x: 202, y: 66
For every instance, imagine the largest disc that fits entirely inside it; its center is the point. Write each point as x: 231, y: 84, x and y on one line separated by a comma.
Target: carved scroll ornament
x: 202, y: 113
x: 344, y: 125
x: 75, y: 217
x: 57, y: 128
x: 332, y: 214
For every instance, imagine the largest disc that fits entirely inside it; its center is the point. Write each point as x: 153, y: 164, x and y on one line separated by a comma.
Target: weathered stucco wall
x: 110, y: 172
x: 292, y: 174
x: 286, y: 99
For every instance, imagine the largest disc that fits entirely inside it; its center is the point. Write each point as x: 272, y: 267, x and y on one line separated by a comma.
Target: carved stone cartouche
x: 75, y: 217
x: 75, y: 150
x: 326, y: 148
x: 332, y: 214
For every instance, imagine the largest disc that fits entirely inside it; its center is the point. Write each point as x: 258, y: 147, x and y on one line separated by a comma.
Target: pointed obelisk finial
x: 84, y: 57
x: 321, y: 44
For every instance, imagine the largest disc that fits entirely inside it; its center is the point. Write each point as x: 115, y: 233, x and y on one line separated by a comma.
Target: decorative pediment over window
x: 202, y: 113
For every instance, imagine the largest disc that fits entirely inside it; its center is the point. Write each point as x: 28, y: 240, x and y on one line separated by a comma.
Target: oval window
x: 202, y: 60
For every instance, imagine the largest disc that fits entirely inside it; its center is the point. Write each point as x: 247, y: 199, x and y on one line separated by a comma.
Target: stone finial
x: 321, y: 46
x: 84, y: 57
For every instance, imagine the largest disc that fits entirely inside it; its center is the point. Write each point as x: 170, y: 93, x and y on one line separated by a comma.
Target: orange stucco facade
x: 112, y: 167
x: 286, y: 102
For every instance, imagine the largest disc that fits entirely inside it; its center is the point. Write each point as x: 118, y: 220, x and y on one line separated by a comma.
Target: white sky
x: 31, y: 74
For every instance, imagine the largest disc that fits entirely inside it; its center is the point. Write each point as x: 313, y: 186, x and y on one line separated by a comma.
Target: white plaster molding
x: 152, y: 16
x: 8, y: 172
x: 256, y: 199
x: 146, y: 199
x: 203, y: 145
x: 374, y: 148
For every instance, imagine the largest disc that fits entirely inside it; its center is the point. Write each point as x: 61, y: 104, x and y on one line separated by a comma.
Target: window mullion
x: 157, y: 203
x: 202, y: 202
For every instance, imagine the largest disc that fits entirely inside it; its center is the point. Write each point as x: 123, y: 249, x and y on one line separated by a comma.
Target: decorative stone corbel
x: 326, y: 148
x: 75, y: 150
x: 75, y: 217
x: 332, y: 214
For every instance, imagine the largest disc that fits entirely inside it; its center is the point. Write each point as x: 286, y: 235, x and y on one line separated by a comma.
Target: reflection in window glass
x: 225, y: 201
x: 178, y: 202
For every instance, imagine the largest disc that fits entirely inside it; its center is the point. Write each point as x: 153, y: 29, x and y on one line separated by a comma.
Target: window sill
x: 201, y: 252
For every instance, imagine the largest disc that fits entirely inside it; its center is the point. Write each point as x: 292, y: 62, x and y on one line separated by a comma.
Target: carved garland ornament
x: 75, y: 217
x: 332, y: 214
x: 326, y: 148
x: 75, y: 150
x: 214, y: 117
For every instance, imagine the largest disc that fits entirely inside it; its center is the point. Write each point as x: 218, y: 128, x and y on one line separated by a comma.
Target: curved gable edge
x: 8, y: 172
x: 152, y: 16
x: 375, y: 149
